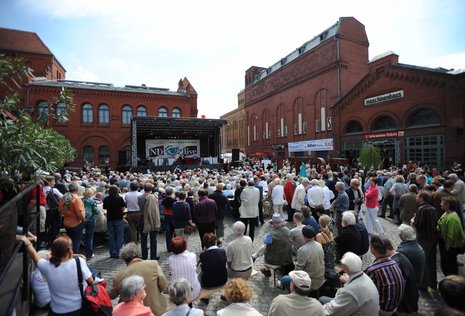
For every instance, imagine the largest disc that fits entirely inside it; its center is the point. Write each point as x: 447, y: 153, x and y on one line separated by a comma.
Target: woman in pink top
x: 372, y: 206
x: 132, y: 295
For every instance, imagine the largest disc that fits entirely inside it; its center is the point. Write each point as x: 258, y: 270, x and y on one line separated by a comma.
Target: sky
x: 212, y: 43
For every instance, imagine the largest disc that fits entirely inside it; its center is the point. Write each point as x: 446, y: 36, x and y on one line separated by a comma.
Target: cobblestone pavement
x: 263, y: 290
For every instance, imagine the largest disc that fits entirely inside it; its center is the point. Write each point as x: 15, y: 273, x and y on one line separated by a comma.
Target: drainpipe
x: 338, y: 59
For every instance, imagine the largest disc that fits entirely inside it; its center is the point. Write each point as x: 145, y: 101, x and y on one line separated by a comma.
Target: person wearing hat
x: 311, y: 259
x: 297, y: 303
x: 278, y: 246
x: 358, y: 296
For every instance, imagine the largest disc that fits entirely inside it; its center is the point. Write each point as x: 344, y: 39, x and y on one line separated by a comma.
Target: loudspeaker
x: 235, y: 154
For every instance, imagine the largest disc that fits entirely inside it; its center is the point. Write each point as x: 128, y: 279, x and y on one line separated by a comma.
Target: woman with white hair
x: 179, y: 293
x: 278, y: 197
x: 132, y: 294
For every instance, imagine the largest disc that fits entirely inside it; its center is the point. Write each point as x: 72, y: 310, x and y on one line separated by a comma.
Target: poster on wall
x: 172, y: 148
x: 312, y: 145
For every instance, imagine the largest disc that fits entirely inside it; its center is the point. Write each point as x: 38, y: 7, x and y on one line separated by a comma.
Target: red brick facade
x: 99, y: 127
x: 290, y: 101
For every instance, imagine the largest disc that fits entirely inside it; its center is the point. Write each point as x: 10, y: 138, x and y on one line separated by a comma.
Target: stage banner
x: 172, y: 148
x: 312, y: 145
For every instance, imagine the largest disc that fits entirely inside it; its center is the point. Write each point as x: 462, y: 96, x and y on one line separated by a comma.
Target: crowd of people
x: 333, y: 220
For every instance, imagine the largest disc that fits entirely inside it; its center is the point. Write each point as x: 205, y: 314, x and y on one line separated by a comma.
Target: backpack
x: 95, y: 299
x: 52, y: 200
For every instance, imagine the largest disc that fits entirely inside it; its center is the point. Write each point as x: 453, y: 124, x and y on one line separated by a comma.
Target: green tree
x: 370, y: 157
x: 28, y: 146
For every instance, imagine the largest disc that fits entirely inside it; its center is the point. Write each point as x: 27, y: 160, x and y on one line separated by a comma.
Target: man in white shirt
x: 239, y: 253
x: 315, y: 195
x: 298, y: 200
x: 133, y: 216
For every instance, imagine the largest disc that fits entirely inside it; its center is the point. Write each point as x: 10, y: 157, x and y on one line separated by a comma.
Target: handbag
x: 95, y: 298
x: 189, y: 229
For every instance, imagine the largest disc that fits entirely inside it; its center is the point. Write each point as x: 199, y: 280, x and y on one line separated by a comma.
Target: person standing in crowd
x: 407, y: 204
x: 53, y: 217
x: 387, y: 277
x: 356, y: 197
x: 239, y: 253
x: 315, y: 196
x: 91, y: 209
x: 311, y: 259
x: 300, y: 193
x: 256, y: 180
x: 388, y: 198
x: 289, y: 189
x: 340, y: 205
x: 222, y: 205
x: 114, y: 204
x: 329, y: 196
x: 149, y: 221
x: 412, y: 250
x: 372, y: 205
x: 149, y: 270
x: 436, y: 198
x: 238, y: 292
x: 298, y: 303
x: 72, y: 209
x: 205, y: 214
x: 358, y: 296
x: 398, y: 189
x: 459, y: 190
x: 167, y: 204
x: 183, y: 264
x: 451, y: 235
x: 133, y: 215
x: 31, y: 212
x: 182, y: 216
x: 278, y: 197
x: 250, y: 197
x: 425, y: 223
x: 237, y: 198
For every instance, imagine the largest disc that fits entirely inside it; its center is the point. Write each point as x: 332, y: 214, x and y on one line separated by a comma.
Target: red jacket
x: 289, y: 188
x: 371, y: 197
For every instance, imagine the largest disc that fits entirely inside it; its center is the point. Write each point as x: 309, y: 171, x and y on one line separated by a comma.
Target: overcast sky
x: 213, y: 43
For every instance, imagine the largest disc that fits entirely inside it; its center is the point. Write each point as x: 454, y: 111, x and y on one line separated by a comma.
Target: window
x: 126, y: 114
x: 42, y: 111
x: 141, y: 111
x: 176, y: 112
x: 354, y: 127
x: 88, y: 153
x: 424, y: 117
x: 162, y: 112
x: 62, y: 113
x: 104, y: 114
x: 103, y: 154
x: 87, y: 113
x: 427, y: 149
x: 384, y: 123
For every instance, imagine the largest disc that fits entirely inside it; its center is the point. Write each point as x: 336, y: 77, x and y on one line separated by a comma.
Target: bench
x: 273, y: 267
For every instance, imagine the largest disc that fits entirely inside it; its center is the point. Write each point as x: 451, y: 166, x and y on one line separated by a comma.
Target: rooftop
x: 22, y: 41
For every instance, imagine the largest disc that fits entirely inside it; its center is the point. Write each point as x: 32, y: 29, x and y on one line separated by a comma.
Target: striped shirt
x: 387, y: 277
x: 425, y: 223
x: 184, y: 265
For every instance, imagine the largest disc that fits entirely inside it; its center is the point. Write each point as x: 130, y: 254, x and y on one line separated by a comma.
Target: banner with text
x: 172, y: 148
x: 312, y: 145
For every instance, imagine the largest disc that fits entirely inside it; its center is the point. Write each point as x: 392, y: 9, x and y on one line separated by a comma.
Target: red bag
x: 95, y: 299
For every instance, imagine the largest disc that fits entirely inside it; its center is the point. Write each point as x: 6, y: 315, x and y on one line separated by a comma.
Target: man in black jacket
x: 350, y: 238
x: 222, y: 204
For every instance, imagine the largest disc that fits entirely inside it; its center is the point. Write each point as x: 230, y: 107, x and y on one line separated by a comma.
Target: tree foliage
x: 370, y: 157
x: 28, y: 146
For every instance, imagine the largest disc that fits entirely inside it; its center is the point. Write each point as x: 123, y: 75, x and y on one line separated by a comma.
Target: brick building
x: 233, y: 134
x: 411, y: 113
x: 99, y: 127
x: 290, y: 101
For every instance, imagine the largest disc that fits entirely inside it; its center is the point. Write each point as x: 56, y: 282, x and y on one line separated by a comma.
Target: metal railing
x: 18, y: 299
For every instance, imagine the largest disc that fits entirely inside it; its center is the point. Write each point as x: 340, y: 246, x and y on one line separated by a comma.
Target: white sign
x: 384, y: 97
x: 172, y: 148
x: 312, y: 145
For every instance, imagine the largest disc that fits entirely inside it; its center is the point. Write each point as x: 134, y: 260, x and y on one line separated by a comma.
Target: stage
x: 171, y: 168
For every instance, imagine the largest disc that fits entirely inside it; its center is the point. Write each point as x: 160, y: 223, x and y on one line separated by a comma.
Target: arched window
x: 87, y: 113
x: 103, y: 154
x: 42, y: 110
x: 384, y: 123
x: 176, y: 112
x: 162, y: 112
x: 141, y: 111
x: 424, y: 117
x: 354, y: 127
x: 88, y: 153
x: 104, y: 114
x: 126, y: 115
x: 62, y: 113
